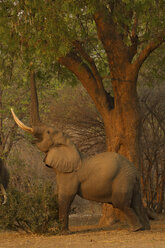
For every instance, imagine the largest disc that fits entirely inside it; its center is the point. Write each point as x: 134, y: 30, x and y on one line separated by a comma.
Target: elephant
x: 4, y: 180
x: 107, y: 177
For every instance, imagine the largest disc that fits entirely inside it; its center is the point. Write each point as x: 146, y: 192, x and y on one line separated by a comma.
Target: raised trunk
x: 34, y: 107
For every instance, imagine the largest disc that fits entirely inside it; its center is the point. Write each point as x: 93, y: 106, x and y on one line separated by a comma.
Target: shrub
x: 35, y: 211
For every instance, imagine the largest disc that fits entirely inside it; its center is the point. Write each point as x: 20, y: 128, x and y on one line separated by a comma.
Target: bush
x: 35, y: 212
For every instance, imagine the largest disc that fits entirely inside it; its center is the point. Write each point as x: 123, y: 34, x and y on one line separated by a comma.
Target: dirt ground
x: 85, y: 233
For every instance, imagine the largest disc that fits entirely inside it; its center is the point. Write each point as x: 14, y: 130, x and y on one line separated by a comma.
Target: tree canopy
x: 46, y: 30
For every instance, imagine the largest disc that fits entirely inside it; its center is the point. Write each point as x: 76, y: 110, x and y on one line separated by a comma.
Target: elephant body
x: 106, y: 177
x: 4, y: 179
x: 109, y: 177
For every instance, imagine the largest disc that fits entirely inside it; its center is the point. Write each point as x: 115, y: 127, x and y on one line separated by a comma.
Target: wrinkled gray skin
x: 107, y: 177
x: 4, y: 180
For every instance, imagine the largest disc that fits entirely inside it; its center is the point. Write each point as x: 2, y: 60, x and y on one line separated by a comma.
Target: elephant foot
x: 140, y: 227
x: 136, y: 228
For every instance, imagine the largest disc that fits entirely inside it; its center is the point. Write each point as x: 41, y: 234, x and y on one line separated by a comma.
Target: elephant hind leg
x: 122, y: 201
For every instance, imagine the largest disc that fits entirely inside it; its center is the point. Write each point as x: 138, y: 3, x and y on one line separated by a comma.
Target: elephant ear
x: 63, y: 158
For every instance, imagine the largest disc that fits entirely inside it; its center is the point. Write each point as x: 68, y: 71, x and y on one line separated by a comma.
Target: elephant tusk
x: 20, y: 124
x: 4, y: 194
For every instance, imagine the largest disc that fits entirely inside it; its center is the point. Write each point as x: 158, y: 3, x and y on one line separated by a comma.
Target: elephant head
x: 61, y: 153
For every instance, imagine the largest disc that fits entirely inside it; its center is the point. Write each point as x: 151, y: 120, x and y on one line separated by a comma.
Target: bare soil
x: 85, y: 233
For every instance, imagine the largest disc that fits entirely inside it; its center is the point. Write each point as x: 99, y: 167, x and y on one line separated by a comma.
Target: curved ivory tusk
x: 4, y: 194
x: 20, y: 124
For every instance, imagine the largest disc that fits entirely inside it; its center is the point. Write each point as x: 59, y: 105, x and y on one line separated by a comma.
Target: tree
x: 95, y: 40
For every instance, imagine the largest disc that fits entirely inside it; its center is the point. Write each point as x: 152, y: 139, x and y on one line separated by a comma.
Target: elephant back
x: 109, y: 166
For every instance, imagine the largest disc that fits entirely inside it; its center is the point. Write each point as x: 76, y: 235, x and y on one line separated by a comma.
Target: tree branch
x: 82, y: 71
x: 150, y: 47
x: 75, y: 64
x: 111, y: 39
x: 90, y: 61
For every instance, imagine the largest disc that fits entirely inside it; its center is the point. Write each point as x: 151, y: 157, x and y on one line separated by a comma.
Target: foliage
x: 47, y: 28
x: 42, y: 31
x: 35, y: 211
x: 152, y: 72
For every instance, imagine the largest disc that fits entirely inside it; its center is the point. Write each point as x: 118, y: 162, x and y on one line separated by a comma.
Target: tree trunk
x: 122, y: 128
x: 122, y: 125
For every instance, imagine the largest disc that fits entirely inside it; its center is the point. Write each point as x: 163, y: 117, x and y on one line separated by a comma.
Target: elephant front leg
x: 64, y: 203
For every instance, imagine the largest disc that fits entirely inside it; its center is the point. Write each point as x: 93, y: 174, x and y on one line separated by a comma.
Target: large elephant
x: 4, y: 180
x: 107, y: 177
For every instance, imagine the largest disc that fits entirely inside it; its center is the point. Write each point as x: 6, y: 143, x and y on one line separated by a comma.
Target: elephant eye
x: 48, y: 132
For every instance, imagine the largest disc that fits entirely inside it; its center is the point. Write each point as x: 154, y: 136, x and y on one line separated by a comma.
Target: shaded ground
x: 87, y: 234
